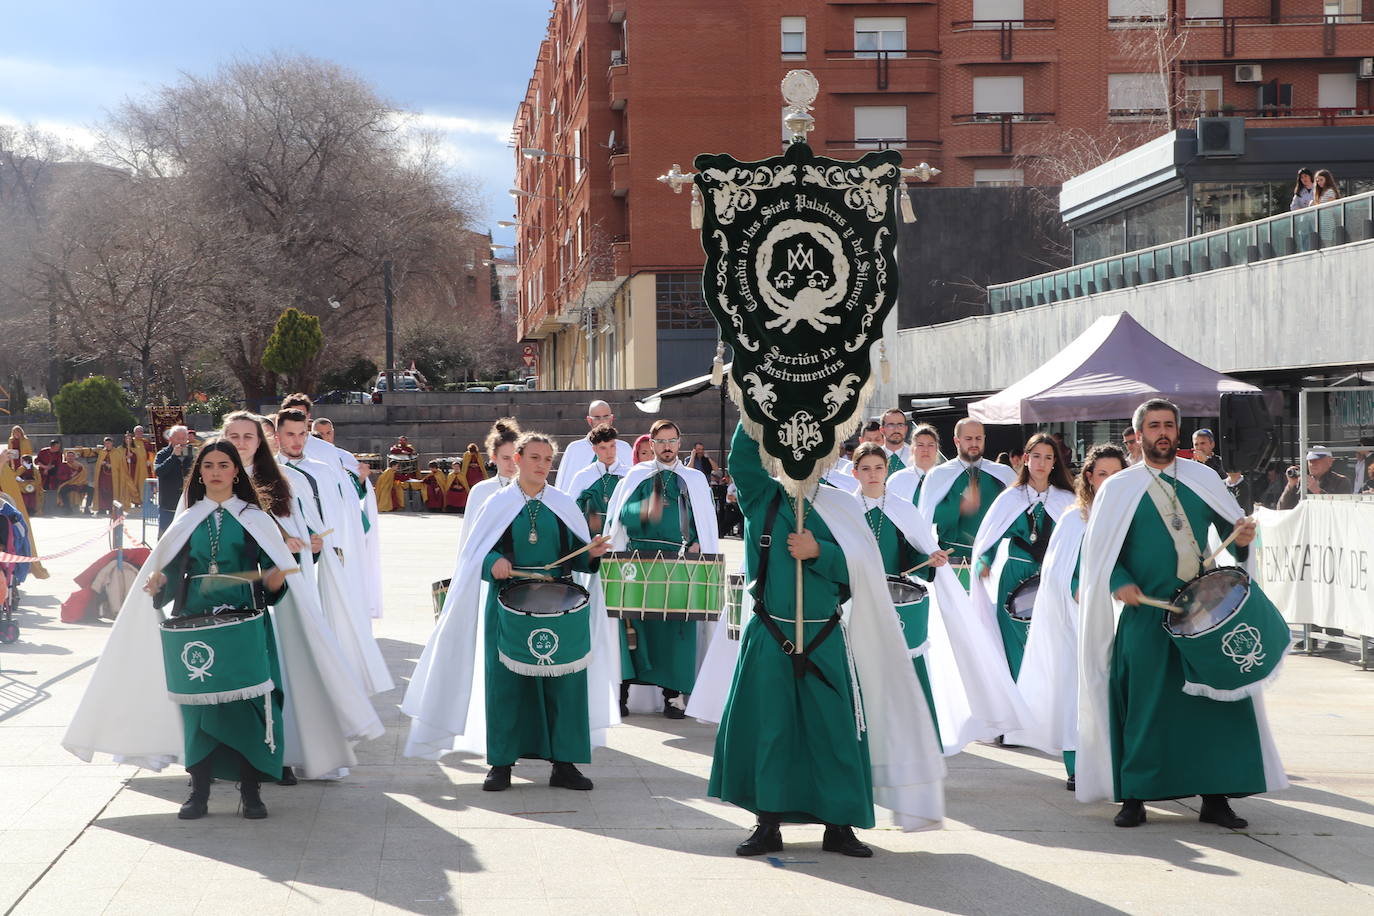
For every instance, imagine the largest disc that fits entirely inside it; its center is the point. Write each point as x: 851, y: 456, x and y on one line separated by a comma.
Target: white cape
x: 579, y: 454
x: 126, y: 712
x: 1113, y: 509
x: 361, y: 549
x: 903, y: 483
x: 1049, y: 670
x: 477, y: 498
x: 975, y: 697
x: 587, y: 477
x: 943, y: 476
x: 446, y: 699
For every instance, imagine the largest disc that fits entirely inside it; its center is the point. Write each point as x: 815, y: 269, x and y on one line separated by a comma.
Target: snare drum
x: 910, y: 599
x: 734, y: 606
x: 404, y: 465
x: 439, y: 592
x: 545, y: 627
x: 1021, y: 602
x: 216, y: 658
x: 1229, y: 634
x: 653, y: 585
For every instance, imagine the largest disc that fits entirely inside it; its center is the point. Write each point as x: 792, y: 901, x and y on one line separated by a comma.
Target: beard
x: 1163, y: 454
x: 970, y: 457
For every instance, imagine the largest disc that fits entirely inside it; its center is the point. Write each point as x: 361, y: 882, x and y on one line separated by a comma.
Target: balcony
x: 620, y: 174
x: 864, y: 144
x: 618, y: 80
x: 620, y: 257
x: 1296, y: 117
x: 997, y: 40
x: 615, y: 10
x: 857, y: 70
x: 993, y: 133
x: 1278, y: 37
x: 1330, y: 225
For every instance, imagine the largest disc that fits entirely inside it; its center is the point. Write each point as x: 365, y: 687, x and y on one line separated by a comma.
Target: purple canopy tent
x: 1106, y: 373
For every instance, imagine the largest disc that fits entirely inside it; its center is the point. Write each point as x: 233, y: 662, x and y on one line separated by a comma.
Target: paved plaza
x: 408, y: 836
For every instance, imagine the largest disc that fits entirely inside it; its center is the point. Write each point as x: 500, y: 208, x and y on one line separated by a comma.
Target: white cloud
x: 81, y: 137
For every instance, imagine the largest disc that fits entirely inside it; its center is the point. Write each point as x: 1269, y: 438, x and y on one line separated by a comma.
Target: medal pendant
x: 1035, y: 536
x: 534, y: 536
x: 1178, y: 523
x: 214, y: 568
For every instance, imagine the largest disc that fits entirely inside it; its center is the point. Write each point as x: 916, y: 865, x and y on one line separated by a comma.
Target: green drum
x: 1229, y: 634
x: 734, y: 606
x: 652, y: 585
x: 1021, y: 601
x: 439, y: 593
x: 545, y: 627
x: 216, y: 658
x: 912, y: 602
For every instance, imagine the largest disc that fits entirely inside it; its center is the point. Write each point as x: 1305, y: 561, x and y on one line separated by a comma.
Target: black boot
x: 1132, y: 813
x: 671, y: 709
x: 498, y: 779
x: 767, y: 837
x: 250, y: 801
x: 288, y: 777
x: 624, y: 699
x: 567, y: 776
x: 199, y: 803
x: 1217, y: 810
x: 842, y: 840
x: 1072, y: 784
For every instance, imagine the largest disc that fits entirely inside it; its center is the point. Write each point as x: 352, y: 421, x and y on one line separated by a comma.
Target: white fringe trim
x: 224, y: 696
x: 919, y: 650
x: 1239, y: 693
x: 545, y: 670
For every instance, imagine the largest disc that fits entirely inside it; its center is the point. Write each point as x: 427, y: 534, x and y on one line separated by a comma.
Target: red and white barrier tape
x: 15, y: 558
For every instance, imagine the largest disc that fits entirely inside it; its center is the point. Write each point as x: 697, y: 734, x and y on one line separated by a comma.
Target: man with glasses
x: 662, y: 506
x: 898, y: 452
x: 957, y: 494
x: 1131, y: 439
x: 579, y: 452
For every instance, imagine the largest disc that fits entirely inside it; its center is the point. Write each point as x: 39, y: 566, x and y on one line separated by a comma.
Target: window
x: 1204, y: 93
x: 990, y: 14
x: 793, y: 37
x: 1336, y: 90
x: 874, y: 35
x: 998, y: 178
x: 1209, y: 11
x: 578, y: 165
x: 1342, y: 10
x: 680, y: 303
x: 879, y: 127
x: 1134, y: 94
x: 1131, y: 13
x: 998, y: 94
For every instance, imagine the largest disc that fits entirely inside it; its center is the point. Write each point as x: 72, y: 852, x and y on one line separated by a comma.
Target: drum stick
x: 1224, y: 544
x: 1162, y: 605
x: 599, y: 539
x: 246, y: 576
x: 918, y: 566
x: 530, y: 575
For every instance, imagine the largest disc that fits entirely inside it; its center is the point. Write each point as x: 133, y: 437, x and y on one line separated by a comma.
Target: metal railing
x: 1005, y: 119
x: 1229, y: 25
x: 881, y: 59
x: 1004, y: 28
x: 1339, y: 222
x: 1328, y: 116
x: 880, y: 143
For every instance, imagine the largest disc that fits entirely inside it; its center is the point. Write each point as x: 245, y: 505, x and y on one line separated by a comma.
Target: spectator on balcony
x: 1324, y: 187
x: 1302, y: 190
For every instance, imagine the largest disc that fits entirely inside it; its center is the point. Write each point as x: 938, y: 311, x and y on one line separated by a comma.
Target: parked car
x: 340, y: 396
x: 507, y: 386
x: 476, y: 389
x: 531, y: 383
x: 406, y: 380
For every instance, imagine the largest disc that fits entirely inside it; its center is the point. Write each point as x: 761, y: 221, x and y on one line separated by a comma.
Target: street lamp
x: 518, y: 192
x: 530, y: 152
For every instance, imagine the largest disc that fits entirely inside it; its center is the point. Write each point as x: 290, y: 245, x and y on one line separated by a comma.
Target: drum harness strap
x: 802, y: 663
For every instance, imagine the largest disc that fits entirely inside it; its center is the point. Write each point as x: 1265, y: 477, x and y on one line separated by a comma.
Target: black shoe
x: 1217, y: 810
x: 624, y: 699
x: 250, y: 802
x: 671, y: 709
x: 1072, y: 784
x: 199, y: 803
x: 567, y: 776
x: 498, y: 779
x: 288, y: 777
x: 843, y: 841
x: 1132, y: 813
x: 765, y: 838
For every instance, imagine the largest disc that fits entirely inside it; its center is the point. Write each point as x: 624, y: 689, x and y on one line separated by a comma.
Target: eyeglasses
x: 604, y: 418
x: 674, y: 441
x: 894, y: 426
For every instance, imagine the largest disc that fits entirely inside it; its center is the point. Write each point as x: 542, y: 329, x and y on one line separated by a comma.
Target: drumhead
x: 1208, y: 601
x: 543, y: 599
x: 199, y: 621
x: 905, y: 591
x: 1021, y: 601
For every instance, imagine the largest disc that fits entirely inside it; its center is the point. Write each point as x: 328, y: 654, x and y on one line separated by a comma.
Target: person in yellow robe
x: 12, y: 488
x: 112, y: 480
x: 135, y: 472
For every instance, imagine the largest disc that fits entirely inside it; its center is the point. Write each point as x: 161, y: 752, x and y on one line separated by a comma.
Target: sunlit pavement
x: 402, y: 835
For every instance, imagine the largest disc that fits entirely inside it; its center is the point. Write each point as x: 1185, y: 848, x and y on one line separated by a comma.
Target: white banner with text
x: 1316, y: 562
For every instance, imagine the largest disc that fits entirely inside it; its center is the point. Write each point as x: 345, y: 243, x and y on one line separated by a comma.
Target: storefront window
x: 1156, y: 222
x: 1219, y: 205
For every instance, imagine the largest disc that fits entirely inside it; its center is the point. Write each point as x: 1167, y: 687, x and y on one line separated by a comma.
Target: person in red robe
x: 436, y: 487
x: 470, y: 472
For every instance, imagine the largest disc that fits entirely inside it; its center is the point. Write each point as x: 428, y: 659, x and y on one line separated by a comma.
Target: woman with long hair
x: 1302, y: 190
x: 467, y: 691
x: 1023, y: 516
x: 1049, y: 671
x: 245, y: 432
x: 1324, y: 187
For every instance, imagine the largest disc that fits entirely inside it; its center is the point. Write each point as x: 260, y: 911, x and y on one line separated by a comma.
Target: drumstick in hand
x: 599, y: 539
x: 1224, y: 544
x: 1162, y: 605
x: 907, y: 572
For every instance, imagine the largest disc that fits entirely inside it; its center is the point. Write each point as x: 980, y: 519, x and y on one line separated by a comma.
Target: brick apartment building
x: 993, y: 92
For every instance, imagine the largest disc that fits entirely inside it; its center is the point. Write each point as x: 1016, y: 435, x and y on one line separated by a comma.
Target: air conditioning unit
x: 1220, y: 137
x: 617, y: 58
x: 1366, y: 71
x: 1249, y: 73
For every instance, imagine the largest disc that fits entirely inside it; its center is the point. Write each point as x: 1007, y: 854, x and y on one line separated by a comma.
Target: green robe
x: 1166, y: 743
x: 666, y: 650
x: 1019, y: 567
x: 596, y: 499
x: 786, y: 746
x: 540, y: 717
x: 899, y: 555
x: 217, y: 731
x: 956, y: 532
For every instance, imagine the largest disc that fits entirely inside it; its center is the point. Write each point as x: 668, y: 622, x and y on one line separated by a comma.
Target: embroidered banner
x: 800, y: 273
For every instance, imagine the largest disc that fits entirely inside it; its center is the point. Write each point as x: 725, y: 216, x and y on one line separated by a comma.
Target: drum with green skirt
x: 1228, y: 633
x: 216, y: 658
x: 545, y: 627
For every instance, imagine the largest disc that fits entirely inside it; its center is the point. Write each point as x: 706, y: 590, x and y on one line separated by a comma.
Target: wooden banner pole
x: 801, y: 613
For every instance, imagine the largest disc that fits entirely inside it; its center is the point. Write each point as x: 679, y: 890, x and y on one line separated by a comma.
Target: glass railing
x: 1339, y: 222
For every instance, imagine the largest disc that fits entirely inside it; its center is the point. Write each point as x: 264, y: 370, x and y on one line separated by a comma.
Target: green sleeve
x: 753, y: 487
x: 909, y: 556
x: 1120, y: 576
x: 831, y: 563
x: 264, y: 563
x: 583, y: 562
x: 946, y: 513
x: 491, y: 558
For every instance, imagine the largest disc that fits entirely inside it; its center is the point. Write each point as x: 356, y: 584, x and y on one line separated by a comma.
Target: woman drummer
x: 225, y: 740
x: 1023, y: 515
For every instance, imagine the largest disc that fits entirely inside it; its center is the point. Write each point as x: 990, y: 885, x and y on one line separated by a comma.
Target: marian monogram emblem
x: 542, y: 643
x: 1243, y: 646
x: 198, y: 657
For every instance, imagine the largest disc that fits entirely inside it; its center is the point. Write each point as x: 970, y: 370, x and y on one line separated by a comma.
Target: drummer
x: 1141, y: 737
x: 520, y: 530
x: 593, y: 485
x: 1024, y: 516
x: 663, y: 506
x: 957, y: 494
x: 925, y: 454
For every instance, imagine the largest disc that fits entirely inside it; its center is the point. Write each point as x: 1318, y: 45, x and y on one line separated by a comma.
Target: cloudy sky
x: 462, y: 65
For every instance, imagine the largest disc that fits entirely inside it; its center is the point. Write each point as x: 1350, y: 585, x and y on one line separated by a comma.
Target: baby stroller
x: 14, y: 539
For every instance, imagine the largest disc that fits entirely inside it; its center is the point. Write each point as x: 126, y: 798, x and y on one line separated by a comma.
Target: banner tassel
x: 697, y: 211
x: 883, y: 363
x: 908, y: 212
x: 718, y: 364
